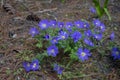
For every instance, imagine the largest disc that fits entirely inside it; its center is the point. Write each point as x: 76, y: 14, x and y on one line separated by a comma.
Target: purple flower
x: 27, y: 66
x: 102, y: 27
x: 83, y: 54
x: 88, y: 33
x: 93, y: 10
x: 68, y: 25
x: 52, y: 50
x: 33, y: 31
x: 96, y: 22
x: 53, y: 23
x: 60, y: 31
x: 76, y: 36
x: 60, y: 24
x: 63, y: 35
x: 47, y: 37
x: 58, y: 69
x: 98, y: 36
x: 116, y: 53
x: 86, y: 25
x: 79, y: 24
x: 112, y: 36
x: 35, y: 65
x: 88, y: 42
x: 54, y: 40
x: 43, y: 24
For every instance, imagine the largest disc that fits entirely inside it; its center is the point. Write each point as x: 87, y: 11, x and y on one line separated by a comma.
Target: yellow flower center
x: 101, y: 27
x: 117, y: 53
x: 83, y: 54
x: 52, y: 51
x: 44, y: 25
x: 78, y: 24
x: 54, y: 40
x: 34, y: 65
x: 68, y: 26
x: 85, y: 25
x: 63, y: 37
x: 33, y: 32
x: 96, y: 36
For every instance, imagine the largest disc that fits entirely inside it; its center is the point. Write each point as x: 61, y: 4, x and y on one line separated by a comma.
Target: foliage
x: 101, y: 10
x: 62, y: 1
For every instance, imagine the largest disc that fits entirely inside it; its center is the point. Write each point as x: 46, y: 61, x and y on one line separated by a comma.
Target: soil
x: 17, y: 16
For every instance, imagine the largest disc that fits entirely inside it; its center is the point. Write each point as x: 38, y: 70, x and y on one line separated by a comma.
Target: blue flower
x: 88, y: 42
x: 52, y: 50
x: 60, y: 31
x: 86, y: 25
x: 33, y: 31
x: 53, y: 23
x: 58, y: 69
x: 116, y: 53
x: 88, y: 33
x: 68, y: 25
x: 63, y: 35
x: 43, y: 24
x: 83, y: 54
x: 27, y: 66
x: 96, y: 22
x: 76, y: 36
x: 102, y: 27
x: 98, y: 36
x: 112, y: 36
x: 47, y: 37
x: 60, y: 24
x: 93, y: 10
x: 34, y: 65
x: 79, y: 24
x: 54, y: 40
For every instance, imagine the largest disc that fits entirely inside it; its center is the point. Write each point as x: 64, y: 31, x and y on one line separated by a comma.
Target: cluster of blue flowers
x: 76, y: 35
x: 66, y: 31
x: 80, y: 30
x: 33, y: 66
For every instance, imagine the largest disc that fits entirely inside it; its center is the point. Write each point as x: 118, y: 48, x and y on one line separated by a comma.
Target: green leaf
x: 105, y: 4
x: 41, y: 56
x: 62, y: 1
x: 39, y: 45
x: 98, y: 8
x: 73, y: 56
x: 68, y: 48
x: 107, y: 13
x: 110, y: 45
x: 102, y: 52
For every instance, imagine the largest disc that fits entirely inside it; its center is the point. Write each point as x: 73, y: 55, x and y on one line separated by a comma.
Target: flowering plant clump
x: 75, y: 40
x: 33, y: 66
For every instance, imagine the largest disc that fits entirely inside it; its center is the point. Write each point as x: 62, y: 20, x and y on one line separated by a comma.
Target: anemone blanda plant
x: 69, y: 35
x: 75, y: 39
